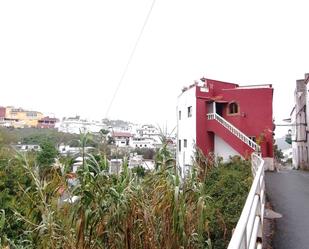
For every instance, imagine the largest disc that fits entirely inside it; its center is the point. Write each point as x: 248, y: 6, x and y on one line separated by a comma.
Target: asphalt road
x: 288, y: 191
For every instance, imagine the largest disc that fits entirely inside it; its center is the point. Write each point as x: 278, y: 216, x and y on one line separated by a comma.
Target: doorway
x: 219, y: 109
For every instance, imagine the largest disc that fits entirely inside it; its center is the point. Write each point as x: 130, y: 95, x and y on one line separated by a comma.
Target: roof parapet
x: 255, y: 86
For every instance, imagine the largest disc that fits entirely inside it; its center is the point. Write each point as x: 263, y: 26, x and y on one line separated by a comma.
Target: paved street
x: 288, y: 191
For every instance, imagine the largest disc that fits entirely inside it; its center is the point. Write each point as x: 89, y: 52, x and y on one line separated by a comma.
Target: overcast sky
x: 66, y: 57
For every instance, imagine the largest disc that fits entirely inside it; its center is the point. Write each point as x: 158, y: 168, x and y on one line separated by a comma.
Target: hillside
x: 282, y: 144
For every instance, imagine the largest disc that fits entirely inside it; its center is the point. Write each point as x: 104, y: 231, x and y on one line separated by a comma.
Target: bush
x: 130, y: 209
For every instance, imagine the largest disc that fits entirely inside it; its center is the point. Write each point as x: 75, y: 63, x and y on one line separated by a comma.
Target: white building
x: 186, y: 129
x: 27, y: 147
x: 150, y: 133
x: 115, y: 166
x: 143, y: 138
x: 68, y: 150
x: 122, y: 139
x: 76, y: 125
x: 299, y: 121
x: 147, y: 143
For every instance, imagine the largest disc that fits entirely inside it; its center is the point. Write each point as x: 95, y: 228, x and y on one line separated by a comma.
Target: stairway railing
x: 243, y: 137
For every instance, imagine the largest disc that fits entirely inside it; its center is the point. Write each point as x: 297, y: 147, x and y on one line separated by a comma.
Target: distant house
x: 142, y: 143
x: 27, y: 147
x: 78, y: 162
x: 47, y: 122
x: 122, y: 139
x: 115, y: 166
x: 144, y: 136
x: 2, y: 112
x: 72, y: 151
x: 77, y: 125
x: 135, y: 160
x: 150, y: 133
x: 19, y: 117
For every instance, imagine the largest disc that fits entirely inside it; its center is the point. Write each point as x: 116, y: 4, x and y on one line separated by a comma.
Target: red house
x: 2, y: 113
x: 225, y: 119
x: 47, y: 122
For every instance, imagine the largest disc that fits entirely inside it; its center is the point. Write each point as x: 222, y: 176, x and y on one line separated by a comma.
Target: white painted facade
x: 186, y: 129
x: 68, y: 150
x: 223, y: 149
x: 76, y: 125
x: 295, y: 158
x: 141, y: 136
x: 12, y: 123
x: 115, y: 166
x: 27, y: 147
x: 299, y: 121
x: 142, y: 143
x: 122, y: 142
x: 149, y: 132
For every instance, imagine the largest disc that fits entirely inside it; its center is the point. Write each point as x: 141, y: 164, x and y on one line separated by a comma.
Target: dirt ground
x: 268, y: 229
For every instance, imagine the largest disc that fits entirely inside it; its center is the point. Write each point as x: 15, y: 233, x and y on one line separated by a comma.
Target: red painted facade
x: 2, y: 112
x: 253, y: 117
x: 47, y: 123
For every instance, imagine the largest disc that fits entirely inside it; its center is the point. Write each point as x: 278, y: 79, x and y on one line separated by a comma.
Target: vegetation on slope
x: 130, y: 210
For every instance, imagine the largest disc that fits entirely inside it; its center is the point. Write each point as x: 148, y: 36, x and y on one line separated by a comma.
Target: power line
x: 130, y: 58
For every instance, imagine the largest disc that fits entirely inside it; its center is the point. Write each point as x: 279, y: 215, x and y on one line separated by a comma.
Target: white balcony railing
x: 249, y: 230
x: 243, y: 137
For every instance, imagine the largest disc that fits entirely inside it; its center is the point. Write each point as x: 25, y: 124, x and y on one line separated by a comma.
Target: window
x: 185, y: 143
x: 233, y: 108
x: 179, y: 115
x: 179, y: 145
x: 189, y: 111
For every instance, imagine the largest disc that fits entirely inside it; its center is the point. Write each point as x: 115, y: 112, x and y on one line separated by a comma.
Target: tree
x: 46, y: 157
x: 288, y: 137
x: 104, y: 132
x: 147, y: 153
x: 278, y: 153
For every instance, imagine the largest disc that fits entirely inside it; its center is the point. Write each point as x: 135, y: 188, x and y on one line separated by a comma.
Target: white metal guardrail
x: 249, y: 230
x: 243, y: 137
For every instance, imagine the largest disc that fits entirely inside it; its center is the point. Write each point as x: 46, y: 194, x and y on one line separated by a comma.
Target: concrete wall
x: 299, y: 119
x: 223, y: 149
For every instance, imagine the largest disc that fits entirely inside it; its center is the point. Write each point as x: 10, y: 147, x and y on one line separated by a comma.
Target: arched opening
x: 233, y: 108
